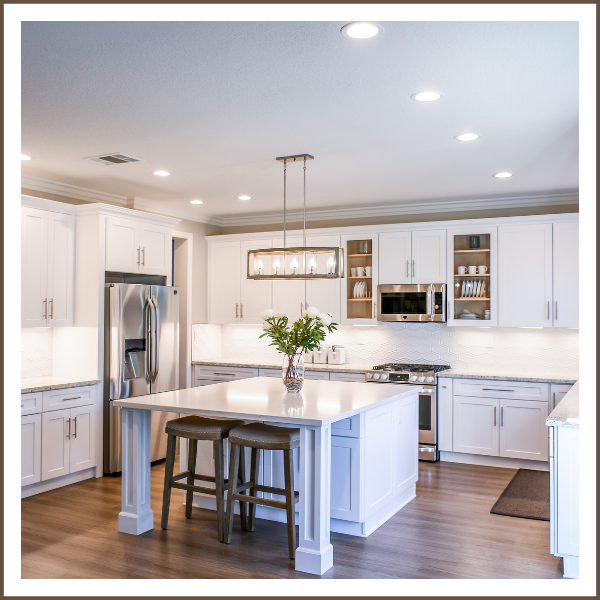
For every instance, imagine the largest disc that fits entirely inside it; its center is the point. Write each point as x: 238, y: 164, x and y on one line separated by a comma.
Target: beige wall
x: 420, y: 218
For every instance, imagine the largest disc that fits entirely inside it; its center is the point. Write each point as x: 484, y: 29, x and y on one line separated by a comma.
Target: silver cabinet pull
x: 407, y: 268
x: 139, y: 261
x: 548, y: 311
x: 75, y: 434
x: 45, y: 303
x: 444, y: 386
x: 51, y: 303
x: 242, y: 310
x: 502, y: 416
x: 413, y: 272
x: 301, y: 308
x: 69, y: 434
x: 236, y: 310
x: 71, y: 398
x: 553, y: 400
x: 556, y: 310
x: 144, y: 256
x: 22, y: 406
x: 494, y: 416
x: 495, y: 390
x: 226, y: 374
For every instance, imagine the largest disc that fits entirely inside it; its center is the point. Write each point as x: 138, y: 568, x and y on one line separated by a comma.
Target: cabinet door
x: 34, y: 267
x: 567, y: 467
x: 345, y: 478
x: 475, y: 425
x: 325, y: 294
x: 224, y: 282
x: 444, y: 399
x: 155, y: 248
x: 289, y: 295
x: 395, y: 260
x: 255, y: 296
x: 429, y: 256
x: 61, y: 269
x: 123, y: 252
x: 82, y: 453
x: 565, y: 256
x: 523, y: 431
x: 31, y: 449
x: 56, y: 433
x: 557, y: 393
x: 525, y: 275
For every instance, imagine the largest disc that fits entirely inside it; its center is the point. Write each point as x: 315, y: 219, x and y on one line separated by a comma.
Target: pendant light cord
x: 284, y: 185
x: 304, y: 224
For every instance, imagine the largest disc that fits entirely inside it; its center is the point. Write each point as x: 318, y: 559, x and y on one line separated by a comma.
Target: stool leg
x: 168, y: 476
x: 219, y: 485
x: 234, y: 461
x: 254, y: 468
x: 242, y: 479
x: 189, y: 495
x: 288, y: 467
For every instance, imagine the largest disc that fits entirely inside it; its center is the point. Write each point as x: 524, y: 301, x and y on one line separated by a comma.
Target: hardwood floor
x: 446, y: 532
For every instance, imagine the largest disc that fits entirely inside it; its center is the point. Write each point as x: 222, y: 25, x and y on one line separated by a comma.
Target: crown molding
x: 96, y: 208
x: 37, y: 184
x: 175, y: 211
x: 412, y: 208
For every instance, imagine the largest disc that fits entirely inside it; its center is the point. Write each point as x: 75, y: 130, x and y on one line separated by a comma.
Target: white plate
x: 363, y: 289
x: 354, y: 292
x: 462, y: 291
x: 483, y: 289
x: 478, y: 290
x: 469, y: 288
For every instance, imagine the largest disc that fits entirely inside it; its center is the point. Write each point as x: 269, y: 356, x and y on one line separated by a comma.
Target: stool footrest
x: 273, y: 490
x: 256, y: 500
x: 196, y: 488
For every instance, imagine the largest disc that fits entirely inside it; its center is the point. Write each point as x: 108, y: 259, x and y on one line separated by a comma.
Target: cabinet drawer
x: 516, y: 390
x: 224, y: 373
x: 356, y: 377
x: 31, y: 403
x: 320, y: 375
x: 269, y: 372
x: 68, y: 398
x: 349, y: 427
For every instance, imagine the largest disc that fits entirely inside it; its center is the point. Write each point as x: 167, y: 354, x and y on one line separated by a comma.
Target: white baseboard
x: 571, y: 567
x: 494, y: 461
x: 52, y: 484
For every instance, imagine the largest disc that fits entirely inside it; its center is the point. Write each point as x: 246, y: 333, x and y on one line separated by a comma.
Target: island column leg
x: 315, y: 552
x: 136, y: 516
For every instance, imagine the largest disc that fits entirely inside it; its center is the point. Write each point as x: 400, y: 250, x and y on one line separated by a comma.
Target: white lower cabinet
x: 31, y: 454
x: 67, y: 441
x: 345, y: 478
x: 475, y: 425
x: 557, y: 393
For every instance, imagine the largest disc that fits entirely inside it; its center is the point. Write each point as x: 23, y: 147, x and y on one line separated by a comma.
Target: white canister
x: 336, y: 355
x: 320, y: 354
x: 308, y: 356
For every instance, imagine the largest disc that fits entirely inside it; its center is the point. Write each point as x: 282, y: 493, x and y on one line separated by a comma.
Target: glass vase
x: 292, y: 372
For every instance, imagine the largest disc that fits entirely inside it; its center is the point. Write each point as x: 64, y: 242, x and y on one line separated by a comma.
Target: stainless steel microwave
x: 412, y: 302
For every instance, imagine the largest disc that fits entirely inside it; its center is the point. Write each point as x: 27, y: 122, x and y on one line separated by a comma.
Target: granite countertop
x: 511, y: 376
x: 54, y: 382
x: 566, y: 413
x: 267, y: 363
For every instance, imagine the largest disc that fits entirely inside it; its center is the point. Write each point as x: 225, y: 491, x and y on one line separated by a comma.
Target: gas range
x: 404, y: 373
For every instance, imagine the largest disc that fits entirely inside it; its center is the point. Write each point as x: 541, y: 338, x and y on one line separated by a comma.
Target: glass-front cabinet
x: 472, y: 277
x: 359, y: 285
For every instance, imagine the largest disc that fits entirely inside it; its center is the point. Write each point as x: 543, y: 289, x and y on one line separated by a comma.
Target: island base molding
x: 52, y: 484
x: 571, y: 567
x: 315, y: 562
x: 494, y: 461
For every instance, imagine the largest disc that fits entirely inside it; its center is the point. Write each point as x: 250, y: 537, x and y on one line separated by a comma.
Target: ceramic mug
x: 368, y: 271
x: 482, y: 269
x: 360, y: 271
x: 353, y: 271
x: 462, y: 270
x: 472, y: 270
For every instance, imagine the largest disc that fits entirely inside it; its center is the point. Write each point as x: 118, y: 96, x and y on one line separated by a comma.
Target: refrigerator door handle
x: 148, y: 317
x: 155, y: 339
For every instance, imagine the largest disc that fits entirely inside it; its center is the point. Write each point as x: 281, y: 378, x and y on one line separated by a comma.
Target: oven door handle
x: 431, y: 300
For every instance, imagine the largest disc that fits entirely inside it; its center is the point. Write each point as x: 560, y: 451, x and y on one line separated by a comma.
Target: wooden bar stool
x: 259, y: 436
x: 194, y: 428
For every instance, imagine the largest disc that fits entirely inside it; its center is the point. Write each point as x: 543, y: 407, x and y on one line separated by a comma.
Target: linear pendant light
x: 301, y: 262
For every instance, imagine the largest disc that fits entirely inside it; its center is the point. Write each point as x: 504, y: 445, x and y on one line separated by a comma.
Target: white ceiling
x: 215, y: 103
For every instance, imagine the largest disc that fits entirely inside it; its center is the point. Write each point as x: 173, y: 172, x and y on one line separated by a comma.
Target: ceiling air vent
x: 116, y: 158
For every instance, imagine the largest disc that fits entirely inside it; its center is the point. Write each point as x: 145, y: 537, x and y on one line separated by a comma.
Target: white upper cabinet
x: 255, y: 296
x: 565, y: 254
x: 325, y: 294
x: 525, y: 275
x: 224, y: 282
x: 412, y: 257
x: 395, y: 257
x: 429, y: 256
x: 134, y: 246
x: 47, y: 268
x: 289, y: 295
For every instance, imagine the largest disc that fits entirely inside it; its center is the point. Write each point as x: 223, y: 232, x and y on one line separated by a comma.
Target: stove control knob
x: 384, y: 376
x: 422, y: 378
x: 413, y: 378
x: 377, y: 376
x: 369, y: 375
x: 430, y: 379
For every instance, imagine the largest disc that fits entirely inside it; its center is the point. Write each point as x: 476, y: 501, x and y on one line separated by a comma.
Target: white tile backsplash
x: 36, y: 352
x: 501, y: 349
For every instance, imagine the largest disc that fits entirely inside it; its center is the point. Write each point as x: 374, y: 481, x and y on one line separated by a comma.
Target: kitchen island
x: 380, y: 424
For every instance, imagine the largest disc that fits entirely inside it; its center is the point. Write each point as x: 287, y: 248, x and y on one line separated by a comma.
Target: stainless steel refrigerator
x: 141, y: 357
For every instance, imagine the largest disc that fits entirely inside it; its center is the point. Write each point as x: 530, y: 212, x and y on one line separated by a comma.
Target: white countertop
x: 266, y: 363
x: 511, y: 375
x: 54, y: 382
x: 265, y: 399
x: 566, y: 413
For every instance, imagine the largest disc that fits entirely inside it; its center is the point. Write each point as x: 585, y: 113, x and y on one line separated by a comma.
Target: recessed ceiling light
x: 467, y: 137
x: 244, y: 197
x: 426, y: 96
x: 503, y: 175
x: 25, y: 157
x: 361, y: 30
x: 162, y: 173
x: 196, y: 202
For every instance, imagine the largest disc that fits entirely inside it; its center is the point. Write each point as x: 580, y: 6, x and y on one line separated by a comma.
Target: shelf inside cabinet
x: 360, y: 299
x: 472, y: 276
x: 360, y: 276
x: 361, y: 254
x: 463, y: 299
x: 472, y: 251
